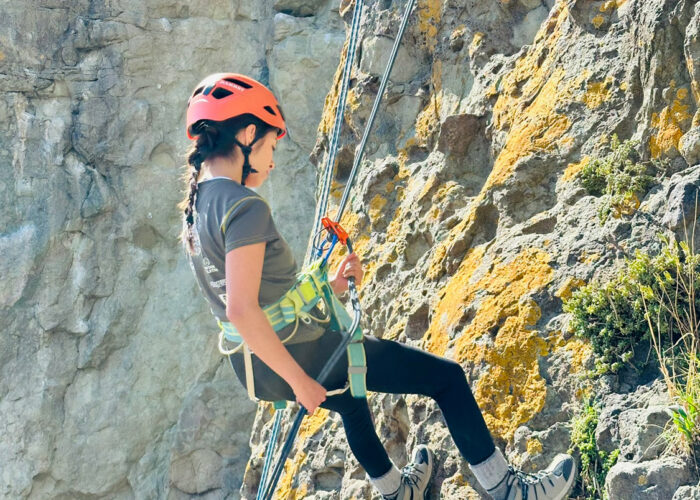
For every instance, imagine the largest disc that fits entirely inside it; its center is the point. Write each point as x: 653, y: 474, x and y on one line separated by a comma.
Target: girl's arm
x: 243, y: 275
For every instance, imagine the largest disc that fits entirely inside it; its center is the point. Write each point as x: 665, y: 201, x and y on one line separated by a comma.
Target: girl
x: 242, y: 264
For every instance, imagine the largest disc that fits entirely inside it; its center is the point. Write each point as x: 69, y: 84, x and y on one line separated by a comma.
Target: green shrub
x: 654, y: 301
x: 621, y: 177
x: 595, y: 463
x: 613, y: 315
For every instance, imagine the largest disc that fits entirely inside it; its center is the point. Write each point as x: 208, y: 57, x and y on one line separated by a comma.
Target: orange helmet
x: 225, y: 95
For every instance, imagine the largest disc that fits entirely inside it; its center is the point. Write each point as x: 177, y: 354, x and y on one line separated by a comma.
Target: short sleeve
x: 248, y: 222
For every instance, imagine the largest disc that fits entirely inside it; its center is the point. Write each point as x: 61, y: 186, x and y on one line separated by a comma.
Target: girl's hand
x: 310, y: 394
x: 351, y: 266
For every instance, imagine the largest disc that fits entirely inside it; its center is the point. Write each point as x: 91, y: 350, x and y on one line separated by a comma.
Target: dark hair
x: 212, y: 139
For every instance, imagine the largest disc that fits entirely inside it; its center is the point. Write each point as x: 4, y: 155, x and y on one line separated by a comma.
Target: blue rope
x: 322, y: 205
x: 268, y: 454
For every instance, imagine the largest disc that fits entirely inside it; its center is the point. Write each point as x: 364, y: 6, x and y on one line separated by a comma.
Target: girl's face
x: 261, y: 159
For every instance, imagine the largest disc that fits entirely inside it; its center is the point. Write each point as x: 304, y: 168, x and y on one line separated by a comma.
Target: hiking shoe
x: 553, y: 483
x: 416, y: 476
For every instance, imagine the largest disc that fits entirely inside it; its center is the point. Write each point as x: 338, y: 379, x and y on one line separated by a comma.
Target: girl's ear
x: 250, y: 133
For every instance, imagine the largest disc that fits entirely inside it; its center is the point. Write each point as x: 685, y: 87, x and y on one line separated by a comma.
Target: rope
x: 322, y: 205
x: 268, y: 489
x: 370, y: 122
x: 268, y: 454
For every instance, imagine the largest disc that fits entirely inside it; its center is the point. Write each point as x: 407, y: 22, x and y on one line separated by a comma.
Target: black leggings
x: 391, y: 368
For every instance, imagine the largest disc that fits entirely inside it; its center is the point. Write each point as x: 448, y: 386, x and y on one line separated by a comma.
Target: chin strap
x: 247, y: 168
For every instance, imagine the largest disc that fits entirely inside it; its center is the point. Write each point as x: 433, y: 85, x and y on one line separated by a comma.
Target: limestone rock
x: 301, y: 8
x: 656, y: 479
x: 687, y: 493
x: 689, y: 146
x: 681, y: 200
x: 375, y: 55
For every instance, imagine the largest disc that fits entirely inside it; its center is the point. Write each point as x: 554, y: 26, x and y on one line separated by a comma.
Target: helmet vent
x: 239, y: 82
x: 270, y: 110
x: 198, y: 91
x: 220, y: 93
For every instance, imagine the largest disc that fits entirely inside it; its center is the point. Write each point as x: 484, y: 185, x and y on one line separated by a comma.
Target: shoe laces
x: 525, y: 479
x: 410, y: 475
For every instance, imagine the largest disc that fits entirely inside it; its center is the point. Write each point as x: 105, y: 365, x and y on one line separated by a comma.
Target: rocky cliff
x: 469, y: 214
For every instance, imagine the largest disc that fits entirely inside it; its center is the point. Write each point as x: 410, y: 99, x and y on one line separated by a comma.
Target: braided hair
x: 213, y: 139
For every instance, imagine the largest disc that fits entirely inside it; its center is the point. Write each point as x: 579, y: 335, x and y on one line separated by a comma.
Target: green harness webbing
x: 311, y: 289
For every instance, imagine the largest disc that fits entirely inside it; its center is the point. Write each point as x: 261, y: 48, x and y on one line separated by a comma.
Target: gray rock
x: 375, y: 55
x: 687, y: 493
x: 457, y: 133
x: 689, y: 146
x: 652, y: 480
x: 531, y: 4
x: 641, y: 433
x: 18, y: 250
x: 681, y: 199
x: 301, y: 8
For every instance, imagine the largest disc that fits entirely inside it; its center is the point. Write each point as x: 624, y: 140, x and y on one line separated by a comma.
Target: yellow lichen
x: 428, y: 120
x: 612, y: 4
x: 673, y: 121
x: 536, y: 130
x: 501, y: 309
x: 429, y: 17
x: 567, y: 288
x: 476, y: 42
x: 573, y: 169
x: 427, y: 187
x: 598, y: 21
x: 376, y: 206
x: 526, y: 109
x: 581, y: 352
x: 393, y: 332
x: 534, y: 446
x: 449, y: 309
x: 353, y: 100
x: 531, y: 95
x: 513, y: 352
x: 330, y: 104
x: 624, y: 86
x: 285, y: 489
x: 587, y: 258
x: 598, y: 93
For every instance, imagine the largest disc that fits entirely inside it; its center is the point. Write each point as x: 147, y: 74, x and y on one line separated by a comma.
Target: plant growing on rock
x: 614, y: 315
x: 595, y: 463
x: 621, y: 177
x: 676, y: 318
x: 655, y: 300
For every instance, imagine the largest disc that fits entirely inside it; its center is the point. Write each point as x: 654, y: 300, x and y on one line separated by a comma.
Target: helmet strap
x: 247, y: 168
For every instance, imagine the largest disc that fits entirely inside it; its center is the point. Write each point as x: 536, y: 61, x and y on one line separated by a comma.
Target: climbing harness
x: 312, y: 288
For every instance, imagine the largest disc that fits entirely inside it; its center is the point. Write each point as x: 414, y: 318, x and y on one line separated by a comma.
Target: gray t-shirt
x: 229, y: 215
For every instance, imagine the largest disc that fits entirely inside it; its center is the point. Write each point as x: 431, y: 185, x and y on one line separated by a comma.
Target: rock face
x: 110, y: 383
x: 467, y: 213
